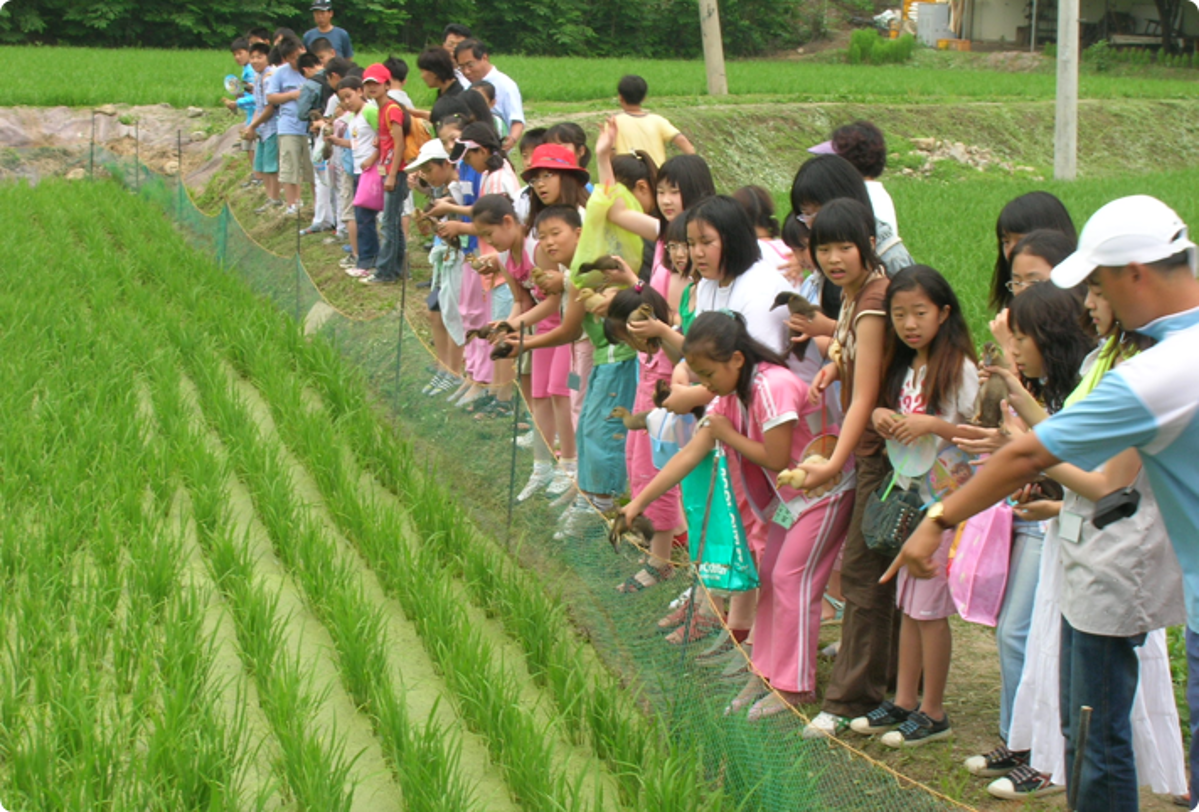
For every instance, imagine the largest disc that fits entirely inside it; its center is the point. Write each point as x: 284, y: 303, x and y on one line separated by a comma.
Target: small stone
x: 165, y: 105
x: 107, y: 109
x: 908, y: 171
x: 171, y: 167
x: 926, y: 144
x: 199, y: 135
x: 958, y: 153
x: 77, y: 174
x: 195, y: 112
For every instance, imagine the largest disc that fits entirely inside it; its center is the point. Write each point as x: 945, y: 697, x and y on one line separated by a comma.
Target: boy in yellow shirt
x: 639, y: 130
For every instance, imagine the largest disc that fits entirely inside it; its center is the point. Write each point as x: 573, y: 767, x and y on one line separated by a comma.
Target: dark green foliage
x: 650, y: 28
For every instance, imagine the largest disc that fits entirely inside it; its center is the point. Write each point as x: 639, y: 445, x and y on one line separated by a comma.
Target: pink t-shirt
x: 520, y: 266
x: 777, y: 396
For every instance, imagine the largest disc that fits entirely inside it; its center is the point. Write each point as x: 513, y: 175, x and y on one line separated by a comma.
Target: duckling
x: 988, y: 409
x: 649, y: 345
x: 641, y: 526
x: 592, y: 274
x: 489, y: 331
x: 797, y: 304
x: 502, y: 350
x: 795, y: 478
x: 632, y: 422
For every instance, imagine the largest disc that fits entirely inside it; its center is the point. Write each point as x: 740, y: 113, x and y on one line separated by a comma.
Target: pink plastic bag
x: 370, y: 190
x: 978, y: 564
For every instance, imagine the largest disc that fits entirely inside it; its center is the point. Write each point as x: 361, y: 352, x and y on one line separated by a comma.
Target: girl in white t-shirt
x: 930, y: 381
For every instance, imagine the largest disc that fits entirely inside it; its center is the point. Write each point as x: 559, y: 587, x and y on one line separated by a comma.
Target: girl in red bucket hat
x: 556, y: 178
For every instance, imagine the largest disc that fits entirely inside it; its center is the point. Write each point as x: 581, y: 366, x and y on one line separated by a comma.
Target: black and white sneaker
x: 999, y: 761
x: 1024, y: 782
x: 885, y: 717
x: 917, y: 730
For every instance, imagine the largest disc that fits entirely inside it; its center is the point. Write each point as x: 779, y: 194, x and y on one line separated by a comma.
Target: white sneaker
x: 825, y: 725
x: 348, y: 261
x: 576, y: 520
x: 292, y: 211
x: 543, y: 474
x: 564, y: 478
x: 526, y: 440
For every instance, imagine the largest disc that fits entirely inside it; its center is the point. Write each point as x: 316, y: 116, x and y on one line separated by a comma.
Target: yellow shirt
x: 647, y: 131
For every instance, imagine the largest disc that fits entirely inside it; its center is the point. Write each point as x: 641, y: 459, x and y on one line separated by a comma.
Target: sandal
x: 674, y: 618
x: 838, y: 611
x: 701, y: 626
x: 658, y: 574
x: 495, y: 408
x: 476, y: 405
x: 751, y: 694
x: 774, y: 703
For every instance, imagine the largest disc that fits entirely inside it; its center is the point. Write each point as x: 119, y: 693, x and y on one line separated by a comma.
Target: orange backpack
x: 415, y: 137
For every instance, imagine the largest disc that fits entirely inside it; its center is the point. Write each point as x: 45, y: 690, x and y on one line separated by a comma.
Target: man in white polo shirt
x: 475, y: 63
x: 1134, y: 252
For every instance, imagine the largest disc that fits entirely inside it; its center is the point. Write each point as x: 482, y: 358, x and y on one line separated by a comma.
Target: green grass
x: 182, y: 78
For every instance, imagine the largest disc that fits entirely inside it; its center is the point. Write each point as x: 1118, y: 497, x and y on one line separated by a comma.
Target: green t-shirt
x: 593, y: 328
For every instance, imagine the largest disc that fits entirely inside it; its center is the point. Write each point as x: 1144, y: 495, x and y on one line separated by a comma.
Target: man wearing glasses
x: 474, y: 61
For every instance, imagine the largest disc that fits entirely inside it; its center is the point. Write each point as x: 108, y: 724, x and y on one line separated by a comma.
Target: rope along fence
x: 763, y: 765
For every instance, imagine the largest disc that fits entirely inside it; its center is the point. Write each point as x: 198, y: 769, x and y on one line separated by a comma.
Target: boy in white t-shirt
x: 399, y: 78
x: 361, y: 136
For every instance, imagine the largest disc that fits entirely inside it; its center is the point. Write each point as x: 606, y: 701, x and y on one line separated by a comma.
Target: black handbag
x: 890, y: 518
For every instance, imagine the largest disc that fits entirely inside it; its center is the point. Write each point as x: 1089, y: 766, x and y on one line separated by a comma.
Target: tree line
x: 643, y: 28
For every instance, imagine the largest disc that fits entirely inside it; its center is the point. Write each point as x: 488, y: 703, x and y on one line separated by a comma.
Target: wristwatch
x: 936, y: 514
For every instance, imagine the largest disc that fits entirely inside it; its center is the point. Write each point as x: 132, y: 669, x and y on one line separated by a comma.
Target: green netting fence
x: 764, y: 765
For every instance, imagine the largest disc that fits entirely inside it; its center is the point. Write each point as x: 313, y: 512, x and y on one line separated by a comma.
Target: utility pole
x: 709, y: 26
x: 1065, y: 125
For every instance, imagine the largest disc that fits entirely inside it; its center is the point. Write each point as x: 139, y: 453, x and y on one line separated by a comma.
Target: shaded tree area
x: 644, y: 28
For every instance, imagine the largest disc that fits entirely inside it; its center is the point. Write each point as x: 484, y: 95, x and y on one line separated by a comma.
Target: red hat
x: 557, y: 157
x: 376, y: 73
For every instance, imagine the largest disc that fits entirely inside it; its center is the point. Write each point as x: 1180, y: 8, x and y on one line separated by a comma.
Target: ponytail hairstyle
x: 1051, y: 318
x: 1025, y: 214
x: 717, y: 334
x: 569, y: 134
x: 634, y: 168
x: 845, y: 220
x: 739, y: 248
x: 951, y: 347
x: 486, y: 137
x: 625, y: 302
x: 760, y: 208
x: 490, y: 210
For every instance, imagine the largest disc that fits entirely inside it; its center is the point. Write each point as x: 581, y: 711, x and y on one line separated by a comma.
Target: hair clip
x: 727, y: 312
x: 639, y: 286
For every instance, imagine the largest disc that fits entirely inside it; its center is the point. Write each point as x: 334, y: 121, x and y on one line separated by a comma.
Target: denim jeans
x: 1193, y: 704
x: 368, y: 236
x: 391, y: 255
x: 1101, y: 672
x: 1015, y: 616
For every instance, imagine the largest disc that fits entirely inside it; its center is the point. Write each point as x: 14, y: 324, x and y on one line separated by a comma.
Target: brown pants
x: 867, y: 660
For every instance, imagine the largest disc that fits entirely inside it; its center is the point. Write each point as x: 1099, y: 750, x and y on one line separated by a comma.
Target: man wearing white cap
x: 1136, y: 254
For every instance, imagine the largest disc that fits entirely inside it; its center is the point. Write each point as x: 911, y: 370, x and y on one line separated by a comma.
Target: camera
x: 1115, y: 506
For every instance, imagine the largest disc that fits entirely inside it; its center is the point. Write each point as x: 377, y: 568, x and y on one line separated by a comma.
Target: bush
x: 1101, y: 55
x: 866, y: 45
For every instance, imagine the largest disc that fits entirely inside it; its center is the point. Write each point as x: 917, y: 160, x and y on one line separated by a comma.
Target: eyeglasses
x: 1014, y: 285
x: 541, y: 178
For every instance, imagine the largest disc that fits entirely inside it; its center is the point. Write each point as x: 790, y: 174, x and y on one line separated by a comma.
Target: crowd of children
x: 816, y: 347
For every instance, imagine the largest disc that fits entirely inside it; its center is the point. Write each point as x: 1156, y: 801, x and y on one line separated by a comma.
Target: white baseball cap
x: 1139, y: 228
x: 431, y: 150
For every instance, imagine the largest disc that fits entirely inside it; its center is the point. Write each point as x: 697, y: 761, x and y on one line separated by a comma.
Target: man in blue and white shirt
x: 1135, y: 252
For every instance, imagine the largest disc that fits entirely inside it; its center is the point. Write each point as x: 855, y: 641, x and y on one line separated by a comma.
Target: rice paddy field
x: 225, y: 585
x: 182, y: 78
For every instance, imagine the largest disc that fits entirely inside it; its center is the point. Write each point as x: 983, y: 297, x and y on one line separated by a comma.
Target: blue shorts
x: 601, y: 439
x: 501, y: 302
x: 266, y: 155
